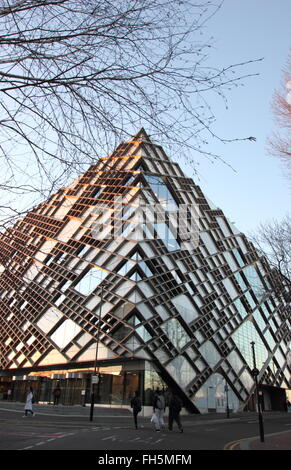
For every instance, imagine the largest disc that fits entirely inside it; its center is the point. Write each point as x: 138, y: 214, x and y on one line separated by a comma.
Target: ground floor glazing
x: 117, y: 383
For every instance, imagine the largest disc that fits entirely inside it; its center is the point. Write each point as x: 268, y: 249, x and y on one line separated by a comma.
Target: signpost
x: 227, y: 407
x: 95, y: 377
x: 255, y: 373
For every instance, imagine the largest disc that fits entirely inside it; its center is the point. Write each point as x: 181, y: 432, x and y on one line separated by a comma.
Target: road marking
x: 233, y: 444
x: 113, y: 438
x: 30, y: 434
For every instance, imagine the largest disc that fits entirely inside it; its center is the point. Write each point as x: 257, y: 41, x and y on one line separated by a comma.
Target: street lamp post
x: 207, y: 397
x: 226, y: 393
x: 255, y: 372
x: 96, y: 375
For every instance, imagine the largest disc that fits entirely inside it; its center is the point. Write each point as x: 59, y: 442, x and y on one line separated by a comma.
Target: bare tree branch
x: 279, y: 144
x: 78, y: 77
x: 273, y: 239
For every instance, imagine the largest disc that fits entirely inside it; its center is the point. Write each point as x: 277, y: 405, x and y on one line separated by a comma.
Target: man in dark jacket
x: 175, y: 406
x: 136, y: 407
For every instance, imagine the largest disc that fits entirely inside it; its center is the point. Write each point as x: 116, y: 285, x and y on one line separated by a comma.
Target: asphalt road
x: 115, y: 431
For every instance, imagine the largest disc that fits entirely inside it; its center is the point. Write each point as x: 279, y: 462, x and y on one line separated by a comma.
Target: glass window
x: 259, y: 320
x: 162, y: 193
x: 82, y: 253
x: 152, y: 381
x: 254, y: 281
x: 181, y: 371
x: 223, y: 226
x: 238, y: 257
x: 61, y: 258
x: 240, y: 281
x: 235, y: 362
x: 143, y: 333
x: 65, y: 333
x: 90, y: 281
x: 210, y: 353
x: 176, y: 333
x: 125, y: 268
x: 185, y: 308
x: 135, y: 277
x: 247, y: 380
x: 121, y: 333
x: 166, y: 235
x: 209, y: 243
x: 279, y: 357
x: 243, y: 337
x: 250, y: 299
x: 230, y: 288
x: 230, y: 261
x: 49, y: 319
x: 212, y: 394
x: 270, y: 340
x: 143, y: 265
x: 240, y: 307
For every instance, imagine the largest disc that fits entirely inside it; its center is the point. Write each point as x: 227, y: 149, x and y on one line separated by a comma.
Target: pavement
x: 275, y: 441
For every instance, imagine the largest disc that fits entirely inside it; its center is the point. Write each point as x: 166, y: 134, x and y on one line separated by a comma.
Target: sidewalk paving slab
x: 275, y: 441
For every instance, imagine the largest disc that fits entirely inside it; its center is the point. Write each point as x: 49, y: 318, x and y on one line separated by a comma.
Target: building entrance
x: 273, y: 398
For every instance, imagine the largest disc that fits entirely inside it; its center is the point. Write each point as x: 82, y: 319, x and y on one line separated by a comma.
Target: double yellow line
x: 232, y: 445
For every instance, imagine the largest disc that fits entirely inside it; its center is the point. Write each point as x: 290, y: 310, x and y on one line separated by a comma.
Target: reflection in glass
x: 254, y: 281
x: 162, y: 193
x: 176, y: 333
x: 165, y: 234
x: 212, y: 395
x: 90, y: 281
x: 65, y: 333
x: 240, y: 307
x: 210, y: 353
x: 185, y: 307
x: 243, y: 336
x: 49, y: 319
x: 143, y: 333
x: 181, y: 371
x: 238, y: 257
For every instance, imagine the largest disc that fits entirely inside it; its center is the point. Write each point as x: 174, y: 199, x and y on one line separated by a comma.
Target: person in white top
x: 28, y: 403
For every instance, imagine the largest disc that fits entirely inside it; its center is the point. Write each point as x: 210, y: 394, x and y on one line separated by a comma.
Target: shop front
x: 115, y: 387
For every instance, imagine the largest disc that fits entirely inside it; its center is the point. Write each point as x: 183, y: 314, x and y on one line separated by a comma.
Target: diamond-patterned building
x: 131, y: 272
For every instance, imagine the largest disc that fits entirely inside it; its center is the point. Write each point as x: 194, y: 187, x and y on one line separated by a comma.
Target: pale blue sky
x: 259, y: 190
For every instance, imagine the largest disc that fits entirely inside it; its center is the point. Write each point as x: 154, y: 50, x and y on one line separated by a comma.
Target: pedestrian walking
x: 136, y: 407
x: 28, y: 403
x: 57, y: 394
x: 175, y: 407
x: 159, y: 407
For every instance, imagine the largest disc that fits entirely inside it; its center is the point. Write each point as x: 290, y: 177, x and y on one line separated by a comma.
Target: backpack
x: 176, y: 404
x: 160, y: 403
x: 136, y: 404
